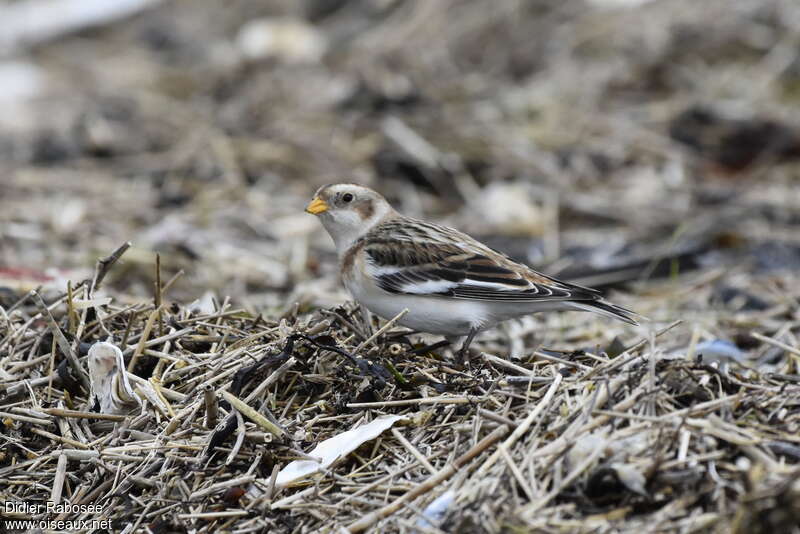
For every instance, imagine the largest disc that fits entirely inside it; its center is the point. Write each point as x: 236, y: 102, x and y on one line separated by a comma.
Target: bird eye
x: 347, y: 197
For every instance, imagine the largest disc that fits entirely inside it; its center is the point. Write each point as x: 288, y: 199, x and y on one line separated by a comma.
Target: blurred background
x: 650, y: 149
x: 615, y: 143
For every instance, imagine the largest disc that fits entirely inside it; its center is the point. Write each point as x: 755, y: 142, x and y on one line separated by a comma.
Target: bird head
x: 348, y: 211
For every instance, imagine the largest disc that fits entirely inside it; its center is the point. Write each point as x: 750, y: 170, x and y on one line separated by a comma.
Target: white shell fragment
x: 334, y: 449
x: 204, y: 305
x: 720, y: 350
x: 631, y: 478
x: 109, y: 380
x: 289, y: 40
x: 436, y: 510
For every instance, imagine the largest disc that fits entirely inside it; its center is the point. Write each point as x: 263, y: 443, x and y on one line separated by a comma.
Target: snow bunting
x: 451, y: 284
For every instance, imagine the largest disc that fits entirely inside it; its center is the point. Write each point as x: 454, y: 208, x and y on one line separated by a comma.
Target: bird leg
x: 463, y: 351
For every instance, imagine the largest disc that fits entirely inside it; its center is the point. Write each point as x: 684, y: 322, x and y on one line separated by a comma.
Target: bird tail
x: 603, y: 307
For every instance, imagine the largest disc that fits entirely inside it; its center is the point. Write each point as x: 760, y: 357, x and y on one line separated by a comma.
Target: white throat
x: 346, y: 226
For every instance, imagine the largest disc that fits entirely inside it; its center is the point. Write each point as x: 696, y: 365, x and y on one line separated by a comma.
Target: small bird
x: 451, y: 284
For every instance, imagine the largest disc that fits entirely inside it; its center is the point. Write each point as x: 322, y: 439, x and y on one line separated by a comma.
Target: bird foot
x: 463, y: 353
x: 465, y: 356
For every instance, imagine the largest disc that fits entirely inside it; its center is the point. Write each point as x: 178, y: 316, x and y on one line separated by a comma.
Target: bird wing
x: 425, y: 259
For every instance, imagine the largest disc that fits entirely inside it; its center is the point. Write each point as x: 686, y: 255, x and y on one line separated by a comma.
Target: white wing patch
x: 375, y: 270
x: 428, y: 287
x: 497, y: 285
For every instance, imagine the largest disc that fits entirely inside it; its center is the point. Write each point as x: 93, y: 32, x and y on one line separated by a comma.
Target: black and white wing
x: 416, y: 258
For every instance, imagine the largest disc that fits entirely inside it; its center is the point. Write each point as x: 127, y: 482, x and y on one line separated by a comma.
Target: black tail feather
x: 610, y: 310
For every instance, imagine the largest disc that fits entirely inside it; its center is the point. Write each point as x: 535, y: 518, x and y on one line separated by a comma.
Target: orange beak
x: 316, y: 206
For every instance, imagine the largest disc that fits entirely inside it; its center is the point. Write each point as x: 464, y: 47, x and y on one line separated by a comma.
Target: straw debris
x: 648, y: 438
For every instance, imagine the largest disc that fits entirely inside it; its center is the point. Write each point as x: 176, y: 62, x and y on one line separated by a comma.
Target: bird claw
x: 463, y: 352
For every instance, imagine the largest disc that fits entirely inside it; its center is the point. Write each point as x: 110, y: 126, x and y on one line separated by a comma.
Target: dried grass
x: 649, y: 439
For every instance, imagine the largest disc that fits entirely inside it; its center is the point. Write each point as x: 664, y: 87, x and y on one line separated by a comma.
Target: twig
x: 253, y: 415
x: 273, y: 478
x: 143, y: 339
x: 25, y: 419
x: 507, y: 364
x: 212, y: 406
x: 84, y: 415
x: 157, y: 294
x: 72, y: 316
x: 413, y: 450
x: 373, y: 517
x: 214, y: 515
x: 271, y: 379
x: 239, y: 438
x: 413, y: 402
x: 632, y: 351
x: 562, y: 361
x: 792, y: 350
x: 63, y: 344
x: 58, y: 481
x: 104, y: 265
x: 55, y: 437
x: 171, y: 281
x: 524, y: 426
x: 214, y: 488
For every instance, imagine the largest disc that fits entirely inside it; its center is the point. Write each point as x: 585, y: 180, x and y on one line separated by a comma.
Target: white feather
x: 428, y: 287
x: 382, y: 270
x: 495, y: 285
